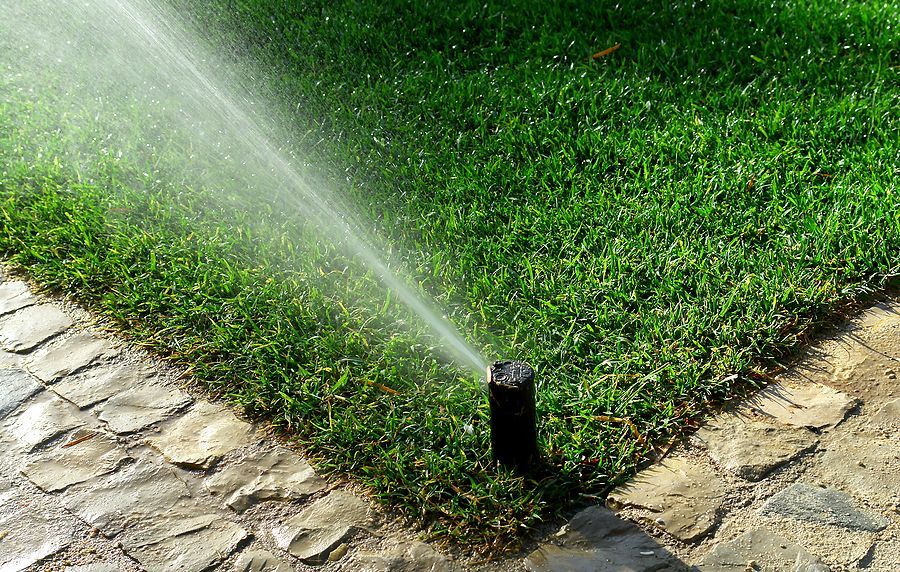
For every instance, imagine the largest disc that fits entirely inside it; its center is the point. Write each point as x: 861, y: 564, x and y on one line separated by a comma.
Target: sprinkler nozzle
x: 513, y: 417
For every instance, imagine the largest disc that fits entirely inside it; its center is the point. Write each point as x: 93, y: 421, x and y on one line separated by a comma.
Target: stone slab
x: 268, y: 475
x: 819, y: 505
x: 888, y: 416
x: 43, y: 419
x: 260, y: 561
x: 26, y: 329
x: 141, y: 492
x: 15, y: 296
x: 684, y: 497
x: 101, y: 383
x: 182, y: 543
x: 86, y: 455
x: 320, y: 527
x: 596, y: 540
x: 811, y: 405
x: 10, y: 360
x: 403, y: 557
x: 16, y: 386
x: 752, y: 449
x: 202, y: 436
x: 141, y: 406
x: 150, y: 511
x: 861, y: 361
x: 863, y: 464
x: 31, y: 535
x: 73, y: 354
x: 768, y: 551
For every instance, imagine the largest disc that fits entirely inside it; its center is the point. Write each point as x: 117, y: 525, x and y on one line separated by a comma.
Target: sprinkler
x: 513, y: 419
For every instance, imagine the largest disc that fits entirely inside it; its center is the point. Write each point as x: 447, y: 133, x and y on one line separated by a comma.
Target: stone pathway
x: 110, y: 465
x: 802, y: 477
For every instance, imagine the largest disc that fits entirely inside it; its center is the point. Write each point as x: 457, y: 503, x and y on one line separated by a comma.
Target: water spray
x: 513, y: 417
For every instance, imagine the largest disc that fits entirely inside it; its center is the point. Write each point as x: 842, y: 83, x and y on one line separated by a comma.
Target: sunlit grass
x: 639, y: 227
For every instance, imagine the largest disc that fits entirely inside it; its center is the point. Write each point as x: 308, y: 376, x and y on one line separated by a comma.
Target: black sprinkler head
x: 513, y: 418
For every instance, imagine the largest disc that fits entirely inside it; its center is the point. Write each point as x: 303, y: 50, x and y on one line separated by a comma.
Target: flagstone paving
x: 109, y: 464
x: 74, y: 353
x: 264, y: 475
x: 808, y: 469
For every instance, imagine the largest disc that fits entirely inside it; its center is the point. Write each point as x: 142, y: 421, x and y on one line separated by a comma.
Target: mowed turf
x: 645, y: 228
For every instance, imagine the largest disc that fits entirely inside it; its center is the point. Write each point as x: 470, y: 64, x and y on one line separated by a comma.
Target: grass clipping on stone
x: 641, y: 227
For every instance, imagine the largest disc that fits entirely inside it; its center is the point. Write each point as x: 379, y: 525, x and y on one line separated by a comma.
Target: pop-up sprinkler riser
x: 513, y: 417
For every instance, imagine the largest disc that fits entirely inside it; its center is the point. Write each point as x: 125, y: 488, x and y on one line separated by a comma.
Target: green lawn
x: 638, y: 227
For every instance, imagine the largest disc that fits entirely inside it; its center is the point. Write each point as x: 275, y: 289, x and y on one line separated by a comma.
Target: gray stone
x: 99, y: 567
x: 141, y: 406
x: 403, y: 557
x: 29, y: 327
x: 15, y: 296
x: 45, y: 418
x: 183, y: 543
x: 824, y: 506
x: 29, y: 536
x: 73, y: 354
x: 101, y: 383
x: 752, y: 449
x: 866, y: 465
x: 16, y: 386
x: 260, y: 476
x: 86, y: 455
x: 260, y: 561
x: 770, y: 552
x: 596, y: 540
x: 684, y: 498
x: 323, y: 525
x: 202, y: 436
x: 809, y: 405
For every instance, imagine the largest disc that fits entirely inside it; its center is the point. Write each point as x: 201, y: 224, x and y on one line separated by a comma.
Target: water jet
x: 513, y: 416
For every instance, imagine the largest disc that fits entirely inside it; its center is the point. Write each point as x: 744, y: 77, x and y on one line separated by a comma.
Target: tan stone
x: 683, y: 497
x: 270, y: 475
x: 29, y: 327
x: 260, y: 561
x: 73, y: 354
x: 803, y: 405
x: 888, y: 416
x: 768, y: 551
x: 752, y: 449
x: 141, y: 492
x: 403, y: 556
x: 141, y: 406
x: 863, y: 360
x: 87, y: 454
x: 31, y: 534
x: 862, y: 464
x: 596, y: 540
x: 15, y: 296
x: 320, y: 527
x: 100, y: 383
x: 187, y: 543
x: 202, y: 436
x: 45, y: 418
